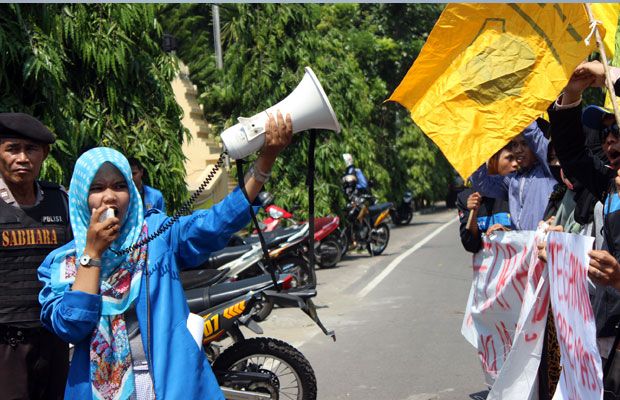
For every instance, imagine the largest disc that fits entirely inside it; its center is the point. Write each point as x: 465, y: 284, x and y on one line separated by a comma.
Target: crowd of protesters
x: 61, y: 280
x: 568, y: 177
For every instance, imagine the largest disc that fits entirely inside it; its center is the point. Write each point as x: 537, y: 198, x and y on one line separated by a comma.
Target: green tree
x: 96, y: 75
x: 357, y: 54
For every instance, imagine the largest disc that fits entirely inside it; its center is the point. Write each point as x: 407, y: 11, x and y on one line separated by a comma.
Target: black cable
x: 185, y: 209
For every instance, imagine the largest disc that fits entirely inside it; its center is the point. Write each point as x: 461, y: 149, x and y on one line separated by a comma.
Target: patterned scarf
x: 111, y: 372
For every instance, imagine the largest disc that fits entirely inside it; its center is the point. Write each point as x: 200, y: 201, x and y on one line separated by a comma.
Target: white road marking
x: 391, y: 266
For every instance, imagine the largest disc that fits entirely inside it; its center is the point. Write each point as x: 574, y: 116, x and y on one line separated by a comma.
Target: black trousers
x: 611, y: 381
x: 33, y: 364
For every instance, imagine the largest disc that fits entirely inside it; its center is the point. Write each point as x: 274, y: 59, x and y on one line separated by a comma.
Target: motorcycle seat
x: 203, y: 298
x: 274, y: 238
x: 226, y: 255
x: 320, y: 222
x: 193, y: 278
x: 377, y: 208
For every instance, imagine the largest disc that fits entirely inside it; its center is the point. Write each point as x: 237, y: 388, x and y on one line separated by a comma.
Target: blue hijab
x: 111, y: 369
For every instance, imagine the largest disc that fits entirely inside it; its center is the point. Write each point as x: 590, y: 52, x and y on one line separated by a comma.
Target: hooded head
x: 132, y: 217
x: 601, y: 137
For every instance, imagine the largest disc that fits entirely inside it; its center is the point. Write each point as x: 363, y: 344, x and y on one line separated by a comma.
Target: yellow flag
x: 607, y: 14
x: 488, y: 70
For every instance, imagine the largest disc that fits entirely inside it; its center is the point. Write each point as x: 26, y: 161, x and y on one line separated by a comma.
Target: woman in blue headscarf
x: 94, y: 298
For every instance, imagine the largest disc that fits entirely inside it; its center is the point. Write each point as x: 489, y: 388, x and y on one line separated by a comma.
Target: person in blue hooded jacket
x: 92, y: 296
x: 151, y: 197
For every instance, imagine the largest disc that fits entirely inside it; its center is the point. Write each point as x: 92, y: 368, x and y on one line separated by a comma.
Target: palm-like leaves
x: 96, y: 75
x: 357, y: 54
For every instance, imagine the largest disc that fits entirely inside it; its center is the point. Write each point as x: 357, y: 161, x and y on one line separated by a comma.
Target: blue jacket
x: 152, y: 198
x: 528, y: 191
x: 362, y: 182
x: 180, y: 368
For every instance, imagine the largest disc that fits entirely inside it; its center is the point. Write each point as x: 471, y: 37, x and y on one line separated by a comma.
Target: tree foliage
x: 359, y: 52
x: 96, y: 75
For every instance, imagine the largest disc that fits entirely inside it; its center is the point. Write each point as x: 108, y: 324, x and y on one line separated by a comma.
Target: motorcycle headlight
x: 275, y: 214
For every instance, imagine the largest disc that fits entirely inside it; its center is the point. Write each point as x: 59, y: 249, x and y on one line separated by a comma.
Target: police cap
x: 24, y: 126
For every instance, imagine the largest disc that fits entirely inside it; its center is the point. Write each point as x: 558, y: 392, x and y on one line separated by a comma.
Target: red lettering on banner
x: 564, y: 336
x: 587, y: 369
x: 508, y: 265
x: 488, y: 350
x: 501, y: 277
x: 479, y: 269
x: 570, y: 274
x: 505, y: 337
x: 554, y: 249
x: 521, y: 274
x: 573, y: 393
x: 539, y: 267
x: 530, y: 337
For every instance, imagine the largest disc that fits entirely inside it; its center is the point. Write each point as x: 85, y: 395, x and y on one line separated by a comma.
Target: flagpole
x: 470, y: 220
x: 601, y: 47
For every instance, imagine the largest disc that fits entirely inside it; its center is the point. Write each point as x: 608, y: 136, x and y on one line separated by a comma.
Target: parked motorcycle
x: 288, y: 254
x: 247, y: 259
x: 403, y: 212
x: 366, y: 225
x: 328, y: 249
x: 256, y: 368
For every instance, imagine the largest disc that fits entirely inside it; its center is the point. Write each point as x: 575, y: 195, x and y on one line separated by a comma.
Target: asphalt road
x: 397, y: 319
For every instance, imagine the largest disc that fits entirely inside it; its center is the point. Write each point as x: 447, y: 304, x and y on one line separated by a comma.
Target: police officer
x: 34, y: 220
x: 151, y: 197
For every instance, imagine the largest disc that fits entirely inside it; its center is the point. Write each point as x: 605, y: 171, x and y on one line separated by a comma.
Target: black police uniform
x: 33, y: 361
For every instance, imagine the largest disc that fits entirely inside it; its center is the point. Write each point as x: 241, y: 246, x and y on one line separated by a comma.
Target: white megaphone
x: 309, y: 109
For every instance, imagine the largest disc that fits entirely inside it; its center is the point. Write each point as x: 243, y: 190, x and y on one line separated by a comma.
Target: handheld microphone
x: 108, y: 213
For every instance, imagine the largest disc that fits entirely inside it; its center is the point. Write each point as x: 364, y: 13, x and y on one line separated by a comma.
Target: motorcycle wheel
x: 292, y: 374
x: 395, y: 216
x: 408, y: 218
x: 379, y: 238
x: 263, y: 309
x: 328, y: 253
x: 299, y: 268
x: 343, y: 239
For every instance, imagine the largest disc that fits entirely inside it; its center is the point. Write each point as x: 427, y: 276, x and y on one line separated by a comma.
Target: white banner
x: 582, y: 375
x: 504, y: 320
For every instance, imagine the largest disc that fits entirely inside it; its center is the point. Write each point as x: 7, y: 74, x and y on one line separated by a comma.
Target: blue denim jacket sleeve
x: 71, y: 315
x: 495, y: 186
x: 539, y: 145
x: 205, y: 231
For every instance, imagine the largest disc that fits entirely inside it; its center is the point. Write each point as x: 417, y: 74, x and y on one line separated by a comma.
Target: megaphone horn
x: 308, y: 106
